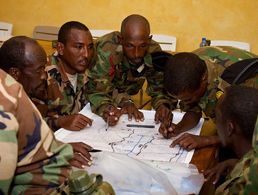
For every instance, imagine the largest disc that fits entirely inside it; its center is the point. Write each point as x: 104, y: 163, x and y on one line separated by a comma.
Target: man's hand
x: 74, y: 122
x: 130, y: 109
x: 189, y: 141
x: 163, y: 115
x: 223, y: 168
x: 81, y: 157
x: 111, y: 115
x: 169, y: 130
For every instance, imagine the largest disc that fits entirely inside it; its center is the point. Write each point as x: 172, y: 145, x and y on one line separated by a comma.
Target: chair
x: 98, y: 33
x: 46, y: 33
x: 237, y: 44
x: 5, y: 31
x: 166, y: 42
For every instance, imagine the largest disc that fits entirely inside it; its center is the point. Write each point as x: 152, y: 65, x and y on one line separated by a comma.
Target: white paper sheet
x: 140, y: 143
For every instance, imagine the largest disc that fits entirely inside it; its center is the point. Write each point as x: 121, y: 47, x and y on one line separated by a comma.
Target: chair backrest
x: 47, y: 33
x: 237, y: 44
x: 98, y: 33
x: 166, y: 42
x: 5, y: 31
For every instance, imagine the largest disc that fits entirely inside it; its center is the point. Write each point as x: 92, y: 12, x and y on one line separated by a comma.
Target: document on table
x: 144, y: 143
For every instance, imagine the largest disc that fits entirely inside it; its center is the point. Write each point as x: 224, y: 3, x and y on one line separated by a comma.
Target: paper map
x: 141, y: 143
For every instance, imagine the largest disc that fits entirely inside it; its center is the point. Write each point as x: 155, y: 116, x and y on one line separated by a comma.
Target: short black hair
x: 159, y: 59
x: 240, y: 104
x: 12, y: 53
x: 65, y: 29
x: 183, y: 71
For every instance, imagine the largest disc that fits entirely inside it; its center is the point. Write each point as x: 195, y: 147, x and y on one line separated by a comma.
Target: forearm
x: 189, y: 121
x: 210, y: 140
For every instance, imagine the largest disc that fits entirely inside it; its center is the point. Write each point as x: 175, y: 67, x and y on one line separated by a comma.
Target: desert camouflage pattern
x: 113, y: 78
x: 217, y: 59
x: 243, y: 178
x: 31, y: 160
x: 61, y: 97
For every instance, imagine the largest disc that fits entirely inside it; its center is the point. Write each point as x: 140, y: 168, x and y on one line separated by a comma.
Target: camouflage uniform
x: 31, y: 160
x: 62, y: 100
x: 243, y: 178
x: 113, y: 78
x: 217, y: 59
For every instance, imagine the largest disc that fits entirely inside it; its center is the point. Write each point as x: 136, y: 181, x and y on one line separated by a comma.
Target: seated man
x: 236, y: 113
x: 24, y: 59
x: 123, y: 63
x: 32, y: 161
x: 67, y: 79
x: 197, y: 85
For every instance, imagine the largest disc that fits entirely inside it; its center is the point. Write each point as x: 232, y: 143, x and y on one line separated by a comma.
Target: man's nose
x: 43, y: 75
x: 136, y: 52
x: 85, y: 52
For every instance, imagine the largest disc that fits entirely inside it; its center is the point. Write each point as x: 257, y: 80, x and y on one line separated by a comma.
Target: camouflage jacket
x: 217, y: 59
x: 31, y: 160
x: 113, y: 78
x: 61, y: 98
x: 243, y: 178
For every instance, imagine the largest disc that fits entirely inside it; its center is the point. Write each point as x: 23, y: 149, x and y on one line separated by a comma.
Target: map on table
x: 142, y: 142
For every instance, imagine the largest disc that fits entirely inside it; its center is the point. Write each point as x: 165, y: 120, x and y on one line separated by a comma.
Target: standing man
x: 123, y: 64
x: 66, y: 77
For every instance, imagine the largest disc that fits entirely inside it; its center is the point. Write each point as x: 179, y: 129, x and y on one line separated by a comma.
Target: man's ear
x: 60, y: 48
x: 15, y: 73
x: 230, y: 128
x: 120, y: 39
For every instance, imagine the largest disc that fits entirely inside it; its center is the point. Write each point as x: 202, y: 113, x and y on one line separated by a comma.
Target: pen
x: 95, y: 150
x: 140, y: 126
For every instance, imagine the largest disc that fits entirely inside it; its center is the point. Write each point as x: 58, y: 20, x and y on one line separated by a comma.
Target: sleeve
x: 157, y: 92
x: 100, y: 85
x: 8, y: 150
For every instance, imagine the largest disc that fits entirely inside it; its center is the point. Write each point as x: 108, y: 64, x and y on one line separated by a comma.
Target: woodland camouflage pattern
x: 217, y: 59
x: 113, y: 78
x: 62, y: 100
x: 31, y: 158
x: 243, y: 178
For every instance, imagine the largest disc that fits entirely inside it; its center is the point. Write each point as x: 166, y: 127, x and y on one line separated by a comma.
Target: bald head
x: 135, y: 23
x: 135, y: 38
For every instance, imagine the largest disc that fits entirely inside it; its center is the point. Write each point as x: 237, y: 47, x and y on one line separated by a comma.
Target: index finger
x: 178, y: 140
x: 87, y: 120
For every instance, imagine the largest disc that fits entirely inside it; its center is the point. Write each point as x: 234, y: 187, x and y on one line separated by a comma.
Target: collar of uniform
x: 81, y: 79
x: 147, y: 61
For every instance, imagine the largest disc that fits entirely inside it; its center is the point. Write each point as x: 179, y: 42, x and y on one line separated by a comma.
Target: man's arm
x: 8, y: 151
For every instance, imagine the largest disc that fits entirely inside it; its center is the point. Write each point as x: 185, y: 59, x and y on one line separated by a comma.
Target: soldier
x: 236, y: 113
x: 32, y: 161
x: 198, y: 84
x: 66, y: 77
x: 123, y: 63
x: 24, y: 59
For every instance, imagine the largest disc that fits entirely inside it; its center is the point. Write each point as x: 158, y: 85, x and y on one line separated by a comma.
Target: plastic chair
x: 166, y: 42
x: 237, y: 44
x: 98, y: 33
x: 5, y: 31
x: 46, y: 33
